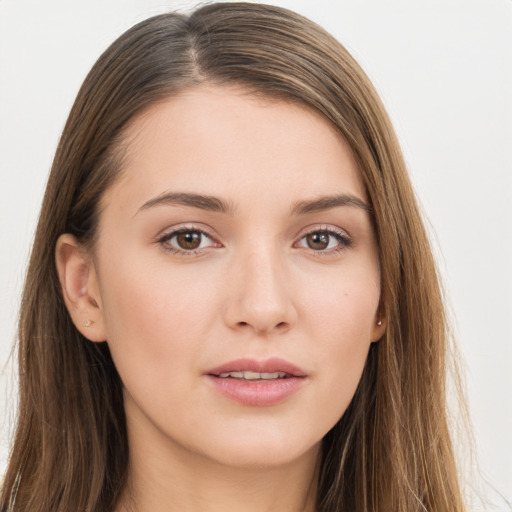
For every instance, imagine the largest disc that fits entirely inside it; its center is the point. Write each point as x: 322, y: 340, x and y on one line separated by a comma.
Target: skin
x: 255, y: 288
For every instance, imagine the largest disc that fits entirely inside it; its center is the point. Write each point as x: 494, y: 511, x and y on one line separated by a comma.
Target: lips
x: 273, y: 365
x: 257, y: 383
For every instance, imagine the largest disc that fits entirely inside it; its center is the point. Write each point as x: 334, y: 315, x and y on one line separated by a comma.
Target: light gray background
x: 444, y: 70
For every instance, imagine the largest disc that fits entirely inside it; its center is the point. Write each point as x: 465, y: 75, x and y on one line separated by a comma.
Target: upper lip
x: 272, y: 365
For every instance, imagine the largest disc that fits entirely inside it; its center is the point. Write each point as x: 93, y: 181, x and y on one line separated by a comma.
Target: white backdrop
x: 444, y: 70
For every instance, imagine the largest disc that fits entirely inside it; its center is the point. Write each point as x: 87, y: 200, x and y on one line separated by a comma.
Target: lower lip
x: 258, y: 393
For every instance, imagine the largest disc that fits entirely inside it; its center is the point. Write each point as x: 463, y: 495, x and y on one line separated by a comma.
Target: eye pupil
x: 318, y: 241
x: 189, y: 240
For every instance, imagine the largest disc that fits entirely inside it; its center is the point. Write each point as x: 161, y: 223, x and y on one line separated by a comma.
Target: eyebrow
x: 214, y: 204
x: 203, y: 202
x: 327, y: 202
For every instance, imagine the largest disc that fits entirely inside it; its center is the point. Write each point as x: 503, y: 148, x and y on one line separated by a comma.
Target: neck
x: 178, y: 480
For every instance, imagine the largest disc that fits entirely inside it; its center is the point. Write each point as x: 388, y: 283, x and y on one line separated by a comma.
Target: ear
x: 79, y: 284
x: 379, y: 326
x: 378, y: 330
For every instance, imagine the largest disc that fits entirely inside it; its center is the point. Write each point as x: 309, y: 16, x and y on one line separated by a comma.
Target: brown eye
x: 185, y: 241
x: 189, y: 240
x: 318, y: 241
x: 325, y: 241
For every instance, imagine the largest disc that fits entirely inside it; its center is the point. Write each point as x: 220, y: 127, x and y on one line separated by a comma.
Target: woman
x: 231, y: 300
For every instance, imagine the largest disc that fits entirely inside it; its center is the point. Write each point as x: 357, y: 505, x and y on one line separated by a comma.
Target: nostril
x: 280, y: 326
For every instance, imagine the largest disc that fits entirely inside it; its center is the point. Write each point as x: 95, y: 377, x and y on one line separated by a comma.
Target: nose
x: 260, y: 298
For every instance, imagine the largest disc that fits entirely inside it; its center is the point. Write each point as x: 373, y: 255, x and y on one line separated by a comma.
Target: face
x: 236, y: 278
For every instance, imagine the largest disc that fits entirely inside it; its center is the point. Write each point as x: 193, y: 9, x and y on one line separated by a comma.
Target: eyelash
x: 344, y: 241
x: 165, y: 239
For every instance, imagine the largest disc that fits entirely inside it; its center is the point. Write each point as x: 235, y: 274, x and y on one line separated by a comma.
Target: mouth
x: 257, y: 383
x: 251, y: 369
x: 248, y: 375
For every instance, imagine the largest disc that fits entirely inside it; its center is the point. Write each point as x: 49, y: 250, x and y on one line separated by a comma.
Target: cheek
x: 150, y: 317
x: 343, y: 306
x: 341, y: 319
x: 146, y: 296
x: 154, y: 335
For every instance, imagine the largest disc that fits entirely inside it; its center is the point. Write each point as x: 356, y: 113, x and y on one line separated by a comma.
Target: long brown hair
x: 391, y: 450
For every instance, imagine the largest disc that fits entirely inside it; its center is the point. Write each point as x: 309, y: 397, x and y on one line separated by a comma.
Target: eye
x: 325, y: 240
x: 187, y: 240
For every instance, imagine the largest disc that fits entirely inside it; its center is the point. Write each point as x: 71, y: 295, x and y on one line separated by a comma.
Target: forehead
x: 229, y: 143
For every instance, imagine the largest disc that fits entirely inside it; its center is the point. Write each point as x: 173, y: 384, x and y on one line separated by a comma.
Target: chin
x: 263, y: 452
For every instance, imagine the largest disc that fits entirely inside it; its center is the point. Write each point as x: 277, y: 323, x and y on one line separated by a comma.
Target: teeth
x: 253, y: 375
x: 235, y: 375
x: 275, y: 375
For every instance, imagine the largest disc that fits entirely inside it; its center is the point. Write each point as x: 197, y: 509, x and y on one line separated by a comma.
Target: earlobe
x: 79, y: 285
x: 379, y: 328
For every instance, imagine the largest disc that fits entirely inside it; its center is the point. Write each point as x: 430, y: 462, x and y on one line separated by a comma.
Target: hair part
x: 391, y: 450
